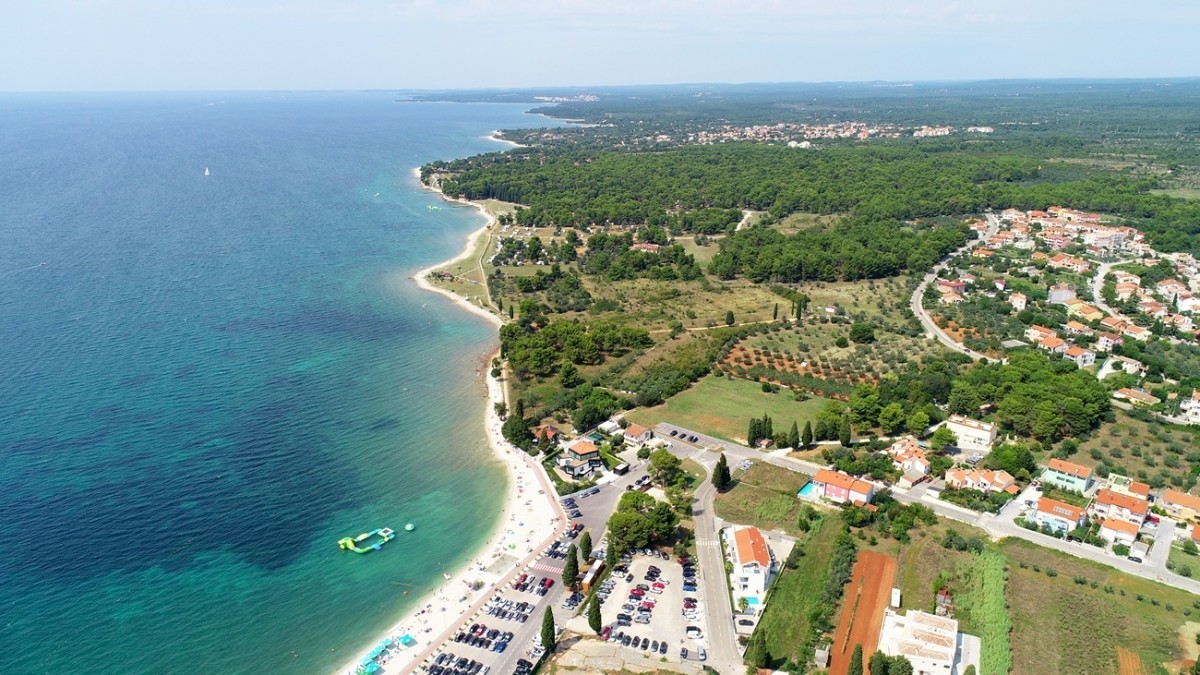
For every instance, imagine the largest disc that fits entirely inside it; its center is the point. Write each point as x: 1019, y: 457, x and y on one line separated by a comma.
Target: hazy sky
x: 65, y: 45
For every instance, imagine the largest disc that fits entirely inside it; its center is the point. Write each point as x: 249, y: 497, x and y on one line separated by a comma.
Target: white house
x: 1110, y: 505
x: 1082, y: 357
x: 1058, y: 516
x: 637, y: 435
x: 973, y: 435
x: 753, y: 564
x: 929, y: 642
x: 1118, y: 532
x: 1189, y: 409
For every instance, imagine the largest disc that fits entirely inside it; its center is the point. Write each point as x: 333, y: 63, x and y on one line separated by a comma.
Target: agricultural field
x: 866, y: 597
x: 1159, y: 454
x: 722, y: 407
x: 1062, y: 625
x: 808, y: 356
x: 797, y: 591
x: 763, y: 496
x: 696, y: 305
x: 923, y: 560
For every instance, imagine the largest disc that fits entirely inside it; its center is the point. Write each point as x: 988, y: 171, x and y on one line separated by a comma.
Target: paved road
x: 915, y: 302
x: 998, y: 526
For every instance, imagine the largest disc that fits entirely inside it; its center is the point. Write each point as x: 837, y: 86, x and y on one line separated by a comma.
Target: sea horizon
x: 218, y: 366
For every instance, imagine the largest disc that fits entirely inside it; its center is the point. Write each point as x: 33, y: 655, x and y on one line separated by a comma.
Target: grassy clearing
x: 763, y: 496
x: 723, y: 407
x: 804, y: 221
x: 786, y: 621
x: 703, y: 254
x: 1180, y: 193
x: 984, y: 602
x: 921, y: 561
x: 1063, y: 626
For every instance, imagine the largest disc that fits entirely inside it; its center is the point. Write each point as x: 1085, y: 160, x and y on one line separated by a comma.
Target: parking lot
x: 647, y: 603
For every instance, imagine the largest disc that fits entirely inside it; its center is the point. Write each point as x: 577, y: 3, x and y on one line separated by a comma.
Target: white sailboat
x: 206, y: 171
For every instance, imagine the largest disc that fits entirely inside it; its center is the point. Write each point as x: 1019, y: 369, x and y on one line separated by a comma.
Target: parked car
x: 683, y: 653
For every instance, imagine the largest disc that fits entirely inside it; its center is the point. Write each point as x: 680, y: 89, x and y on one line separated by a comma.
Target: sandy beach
x: 531, y: 519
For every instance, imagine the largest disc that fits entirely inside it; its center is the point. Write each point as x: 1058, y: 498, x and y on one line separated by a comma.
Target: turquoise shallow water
x: 206, y: 381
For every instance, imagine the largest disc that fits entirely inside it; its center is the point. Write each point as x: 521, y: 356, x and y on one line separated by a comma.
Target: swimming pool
x: 805, y: 491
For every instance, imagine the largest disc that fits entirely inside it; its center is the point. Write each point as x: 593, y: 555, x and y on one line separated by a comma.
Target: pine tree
x: 844, y: 432
x: 721, y: 477
x: 856, y: 662
x: 729, y: 320
x: 794, y: 436
x: 570, y: 573
x: 806, y: 438
x: 594, y: 615
x: 548, y: 630
x: 585, y: 544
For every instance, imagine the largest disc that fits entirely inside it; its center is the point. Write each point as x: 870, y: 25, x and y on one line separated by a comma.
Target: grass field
x: 923, y: 559
x: 723, y: 407
x: 803, y: 221
x: 763, y: 496
x: 1065, y: 627
x: 785, y: 623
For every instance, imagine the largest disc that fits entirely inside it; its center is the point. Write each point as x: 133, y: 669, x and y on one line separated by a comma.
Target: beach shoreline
x: 531, y: 516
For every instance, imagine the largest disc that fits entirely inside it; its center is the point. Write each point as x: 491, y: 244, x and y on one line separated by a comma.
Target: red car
x: 604, y: 634
x: 637, y: 593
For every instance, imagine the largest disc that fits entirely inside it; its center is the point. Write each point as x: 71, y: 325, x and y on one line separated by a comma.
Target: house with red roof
x: 1058, y: 516
x: 1110, y: 505
x: 1118, y: 532
x: 1067, y: 475
x: 840, y: 488
x: 754, y: 565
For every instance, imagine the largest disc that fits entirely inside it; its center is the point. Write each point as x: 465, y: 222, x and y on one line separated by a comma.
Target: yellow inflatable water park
x: 367, y: 541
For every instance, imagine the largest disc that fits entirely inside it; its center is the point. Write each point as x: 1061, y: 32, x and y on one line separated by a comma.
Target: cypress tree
x: 594, y: 615
x: 856, y: 662
x: 610, y: 556
x: 775, y: 315
x: 844, y: 432
x: 807, y: 438
x: 548, y: 630
x: 794, y: 436
x: 570, y: 573
x: 585, y: 544
x: 721, y: 477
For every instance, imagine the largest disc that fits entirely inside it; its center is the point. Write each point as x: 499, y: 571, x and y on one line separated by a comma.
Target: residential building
x: 1127, y: 486
x: 984, y: 481
x: 1131, y: 366
x: 644, y: 247
x: 1111, y: 505
x: 1053, y: 344
x: 581, y: 458
x: 951, y: 286
x: 753, y: 565
x: 1067, y: 475
x: 637, y: 435
x: 950, y: 299
x: 928, y: 641
x: 973, y: 435
x: 1189, y: 408
x: 1082, y: 357
x: 1118, y: 532
x: 1107, y: 341
x: 547, y: 436
x: 1018, y: 301
x: 1036, y: 332
x: 1061, y: 293
x: 908, y: 456
x: 1170, y: 288
x: 1058, y: 516
x: 1112, y: 323
x: 1075, y: 328
x: 839, y: 487
x: 1179, y: 505
x: 1136, y: 396
x: 1136, y: 332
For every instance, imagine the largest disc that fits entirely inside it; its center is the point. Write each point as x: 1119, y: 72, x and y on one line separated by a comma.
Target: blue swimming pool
x: 805, y: 491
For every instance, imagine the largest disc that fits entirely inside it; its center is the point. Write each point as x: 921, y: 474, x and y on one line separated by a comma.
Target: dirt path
x: 1129, y: 662
x: 866, y: 597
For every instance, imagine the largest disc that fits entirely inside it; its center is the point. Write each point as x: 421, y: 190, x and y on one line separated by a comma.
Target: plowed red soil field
x: 866, y: 597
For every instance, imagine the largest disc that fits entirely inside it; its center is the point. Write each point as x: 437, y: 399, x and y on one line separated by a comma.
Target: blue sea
x: 205, y: 381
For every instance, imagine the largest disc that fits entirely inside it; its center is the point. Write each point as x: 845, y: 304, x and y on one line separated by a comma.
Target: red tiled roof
x: 1069, y: 468
x: 1060, y: 509
x: 1108, y: 497
x: 751, y: 547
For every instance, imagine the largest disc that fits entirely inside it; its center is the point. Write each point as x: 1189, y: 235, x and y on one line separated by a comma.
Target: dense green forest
x: 851, y: 250
x: 580, y: 188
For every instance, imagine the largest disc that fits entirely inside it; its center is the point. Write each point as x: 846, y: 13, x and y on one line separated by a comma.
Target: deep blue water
x: 205, y: 381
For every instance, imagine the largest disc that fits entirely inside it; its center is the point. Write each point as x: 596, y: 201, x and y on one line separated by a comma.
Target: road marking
x: 545, y: 567
x: 708, y: 543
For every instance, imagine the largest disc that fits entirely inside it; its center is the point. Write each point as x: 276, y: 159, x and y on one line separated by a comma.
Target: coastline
x: 530, y: 519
